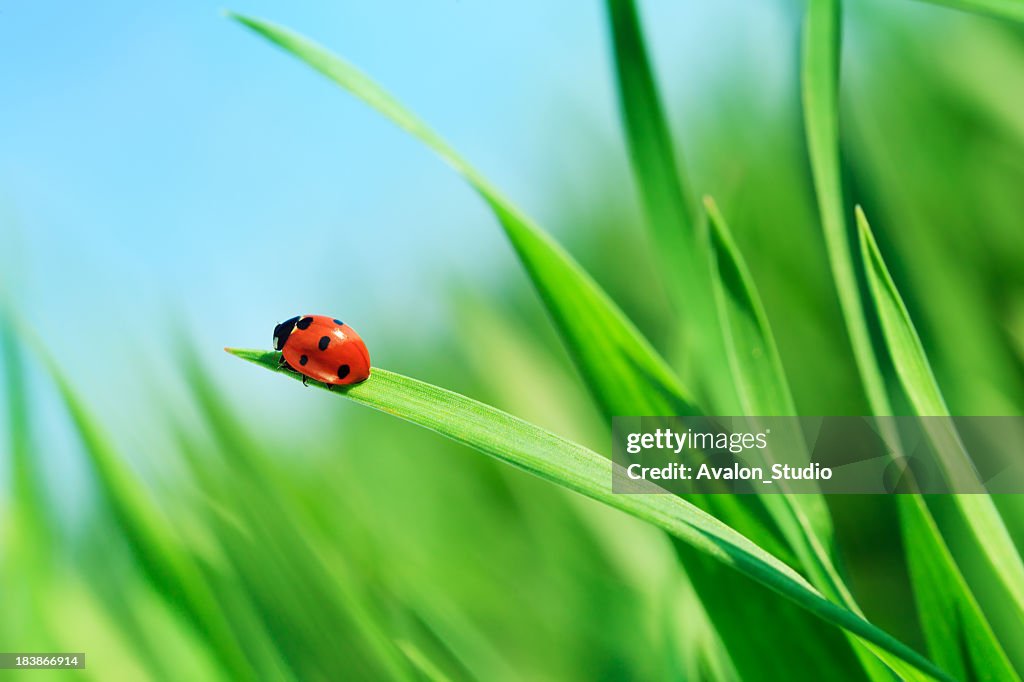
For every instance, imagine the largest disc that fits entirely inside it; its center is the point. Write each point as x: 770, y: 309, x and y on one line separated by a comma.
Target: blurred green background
x: 170, y: 184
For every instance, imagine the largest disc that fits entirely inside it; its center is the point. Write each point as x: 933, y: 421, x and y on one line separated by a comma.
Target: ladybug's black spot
x: 338, y: 322
x: 304, y: 323
x: 343, y: 371
x: 303, y: 360
x: 324, y: 342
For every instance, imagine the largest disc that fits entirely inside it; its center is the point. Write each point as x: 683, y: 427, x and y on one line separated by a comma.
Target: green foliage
x: 293, y: 549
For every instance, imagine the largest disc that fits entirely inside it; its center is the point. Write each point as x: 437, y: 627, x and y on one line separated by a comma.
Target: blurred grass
x: 360, y: 544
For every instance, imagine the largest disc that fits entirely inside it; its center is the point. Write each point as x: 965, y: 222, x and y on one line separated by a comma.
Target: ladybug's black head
x: 283, y: 331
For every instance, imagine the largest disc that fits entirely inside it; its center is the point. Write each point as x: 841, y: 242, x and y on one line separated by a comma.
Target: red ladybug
x: 323, y: 349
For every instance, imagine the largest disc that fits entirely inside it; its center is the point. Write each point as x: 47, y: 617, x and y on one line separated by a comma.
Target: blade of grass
x: 918, y: 381
x: 572, y: 466
x: 951, y: 268
x: 820, y: 79
x: 951, y: 613
x: 619, y: 366
x: 757, y: 368
x: 1012, y: 10
x: 667, y: 199
x: 762, y: 386
x: 679, y: 238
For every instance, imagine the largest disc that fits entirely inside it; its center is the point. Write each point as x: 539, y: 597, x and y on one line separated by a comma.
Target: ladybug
x: 322, y: 348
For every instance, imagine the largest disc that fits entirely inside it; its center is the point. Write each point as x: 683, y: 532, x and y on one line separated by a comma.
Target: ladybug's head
x: 283, y: 331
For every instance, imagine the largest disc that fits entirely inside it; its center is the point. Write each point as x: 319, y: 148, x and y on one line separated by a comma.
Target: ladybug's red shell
x: 324, y: 349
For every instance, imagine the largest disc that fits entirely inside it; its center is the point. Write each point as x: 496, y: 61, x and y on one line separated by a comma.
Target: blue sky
x: 161, y: 152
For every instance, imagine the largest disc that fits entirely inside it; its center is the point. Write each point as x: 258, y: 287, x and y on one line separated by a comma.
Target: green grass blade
x: 663, y: 188
x: 757, y: 367
x: 908, y: 355
x: 918, y: 381
x: 820, y: 83
x: 901, y: 337
x: 672, y: 216
x: 950, y: 613
x: 577, y: 468
x: 1012, y: 10
x: 762, y: 386
x: 759, y: 376
x: 623, y: 371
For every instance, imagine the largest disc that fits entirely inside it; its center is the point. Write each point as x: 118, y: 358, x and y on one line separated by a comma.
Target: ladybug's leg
x: 329, y: 387
x: 304, y: 380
